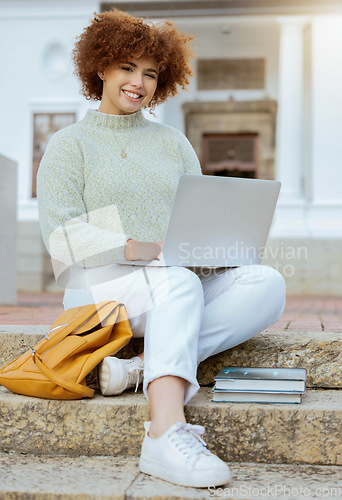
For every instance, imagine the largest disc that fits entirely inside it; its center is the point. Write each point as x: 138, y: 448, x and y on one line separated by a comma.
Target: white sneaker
x: 180, y: 456
x: 116, y: 375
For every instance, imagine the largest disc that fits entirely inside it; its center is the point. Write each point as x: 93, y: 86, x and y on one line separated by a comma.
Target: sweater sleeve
x: 72, y: 235
x: 189, y: 158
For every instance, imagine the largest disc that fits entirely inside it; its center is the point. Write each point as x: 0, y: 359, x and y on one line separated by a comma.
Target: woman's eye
x: 128, y: 68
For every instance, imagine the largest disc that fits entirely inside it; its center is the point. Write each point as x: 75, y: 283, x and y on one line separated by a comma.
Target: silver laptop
x: 217, y: 222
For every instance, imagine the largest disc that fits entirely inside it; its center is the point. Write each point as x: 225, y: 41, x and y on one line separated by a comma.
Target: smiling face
x: 128, y: 86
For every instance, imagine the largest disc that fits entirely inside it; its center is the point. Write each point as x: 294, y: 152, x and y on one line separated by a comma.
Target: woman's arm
x: 188, y: 156
x: 71, y: 234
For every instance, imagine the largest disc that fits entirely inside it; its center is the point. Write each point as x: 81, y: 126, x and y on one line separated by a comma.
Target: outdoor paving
x: 296, y: 447
x: 302, y: 312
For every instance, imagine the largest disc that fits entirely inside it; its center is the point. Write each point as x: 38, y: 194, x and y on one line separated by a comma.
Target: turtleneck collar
x: 98, y: 119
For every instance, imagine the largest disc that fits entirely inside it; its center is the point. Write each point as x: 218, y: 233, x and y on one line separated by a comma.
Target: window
x: 44, y: 126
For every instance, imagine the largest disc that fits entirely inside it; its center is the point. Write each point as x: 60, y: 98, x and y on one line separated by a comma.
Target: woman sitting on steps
x: 106, y: 186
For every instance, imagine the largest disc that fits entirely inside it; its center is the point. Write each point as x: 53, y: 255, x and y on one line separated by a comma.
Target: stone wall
x: 8, y: 217
x: 34, y: 265
x: 309, y: 266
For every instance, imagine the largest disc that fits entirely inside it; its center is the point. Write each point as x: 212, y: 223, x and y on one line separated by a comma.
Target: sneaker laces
x: 187, y: 440
x: 134, y: 374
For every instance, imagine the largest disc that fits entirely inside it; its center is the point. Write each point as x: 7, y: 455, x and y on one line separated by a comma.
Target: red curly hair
x: 116, y: 37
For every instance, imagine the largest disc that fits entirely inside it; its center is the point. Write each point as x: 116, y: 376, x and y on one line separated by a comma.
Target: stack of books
x: 259, y: 385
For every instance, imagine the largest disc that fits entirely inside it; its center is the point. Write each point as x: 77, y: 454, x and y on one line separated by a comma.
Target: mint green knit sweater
x: 91, y: 200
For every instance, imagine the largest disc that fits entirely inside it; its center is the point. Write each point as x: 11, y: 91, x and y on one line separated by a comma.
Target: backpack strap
x: 58, y: 380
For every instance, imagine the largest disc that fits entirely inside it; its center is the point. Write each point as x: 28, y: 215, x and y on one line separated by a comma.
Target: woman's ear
x: 101, y: 74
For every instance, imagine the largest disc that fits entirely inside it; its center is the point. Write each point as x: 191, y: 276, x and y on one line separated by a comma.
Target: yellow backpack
x: 56, y: 368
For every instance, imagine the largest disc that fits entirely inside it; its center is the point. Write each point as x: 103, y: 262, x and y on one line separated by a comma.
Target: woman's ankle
x: 158, y: 429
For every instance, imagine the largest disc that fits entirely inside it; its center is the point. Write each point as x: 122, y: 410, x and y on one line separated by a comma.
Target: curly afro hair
x: 116, y: 37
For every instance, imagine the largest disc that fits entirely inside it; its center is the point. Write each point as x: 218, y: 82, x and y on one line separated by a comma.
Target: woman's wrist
x: 130, y: 251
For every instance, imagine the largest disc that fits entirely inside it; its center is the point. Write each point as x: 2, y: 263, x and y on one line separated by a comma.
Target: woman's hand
x: 161, y: 244
x: 139, y: 250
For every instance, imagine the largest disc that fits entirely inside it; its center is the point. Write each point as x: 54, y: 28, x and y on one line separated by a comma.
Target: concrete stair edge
x: 102, y: 478
x: 320, y: 354
x: 309, y: 432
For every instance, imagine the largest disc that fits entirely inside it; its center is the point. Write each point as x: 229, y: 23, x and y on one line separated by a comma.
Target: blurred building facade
x: 265, y: 101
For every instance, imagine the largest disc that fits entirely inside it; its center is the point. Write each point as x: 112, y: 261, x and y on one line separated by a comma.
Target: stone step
x: 320, y: 353
x: 306, y: 433
x: 85, y: 478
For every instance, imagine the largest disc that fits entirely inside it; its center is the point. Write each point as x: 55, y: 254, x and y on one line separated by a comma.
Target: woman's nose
x: 137, y: 80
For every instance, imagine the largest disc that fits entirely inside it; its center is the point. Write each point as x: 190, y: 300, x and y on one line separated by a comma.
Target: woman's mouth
x: 132, y: 95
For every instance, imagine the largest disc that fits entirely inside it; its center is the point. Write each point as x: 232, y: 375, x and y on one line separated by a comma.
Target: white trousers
x: 185, y: 318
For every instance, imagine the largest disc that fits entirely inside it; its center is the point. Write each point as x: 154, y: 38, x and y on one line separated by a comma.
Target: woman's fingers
x: 138, y: 250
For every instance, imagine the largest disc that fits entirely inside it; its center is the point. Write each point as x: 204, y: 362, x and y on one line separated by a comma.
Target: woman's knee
x: 275, y: 288
x: 176, y: 282
x: 268, y: 285
x: 184, y: 275
x: 186, y: 280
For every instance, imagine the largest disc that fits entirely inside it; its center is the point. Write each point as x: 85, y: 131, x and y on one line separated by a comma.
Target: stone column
x: 290, y: 104
x: 327, y: 114
x: 8, y: 231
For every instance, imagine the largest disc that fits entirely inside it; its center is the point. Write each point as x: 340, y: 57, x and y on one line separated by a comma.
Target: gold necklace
x: 123, y: 152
